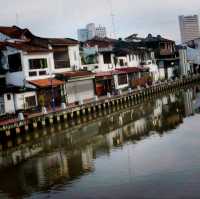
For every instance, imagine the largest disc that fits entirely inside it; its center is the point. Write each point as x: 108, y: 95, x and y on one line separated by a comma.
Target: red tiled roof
x: 25, y: 34
x: 109, y: 73
x: 62, y: 41
x: 130, y: 69
x: 103, y: 74
x: 24, y: 46
x: 44, y: 83
x: 13, y: 32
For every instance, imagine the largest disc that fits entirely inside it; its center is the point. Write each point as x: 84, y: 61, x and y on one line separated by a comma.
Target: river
x: 150, y: 150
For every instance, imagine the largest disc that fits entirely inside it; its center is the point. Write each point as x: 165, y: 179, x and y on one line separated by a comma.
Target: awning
x: 45, y: 83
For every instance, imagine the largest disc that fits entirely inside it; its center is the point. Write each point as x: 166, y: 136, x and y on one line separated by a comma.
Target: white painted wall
x: 25, y: 61
x: 161, y: 73
x: 103, y: 66
x: 117, y: 86
x: 131, y: 60
x: 9, y: 104
x: 134, y: 61
x: 74, y: 56
x: 19, y: 99
x: 80, y: 90
x: 19, y: 78
x: 170, y: 72
x: 153, y: 69
x: 16, y: 78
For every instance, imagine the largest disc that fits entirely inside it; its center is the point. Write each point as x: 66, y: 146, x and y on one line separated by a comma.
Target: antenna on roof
x: 112, y: 19
x: 17, y: 19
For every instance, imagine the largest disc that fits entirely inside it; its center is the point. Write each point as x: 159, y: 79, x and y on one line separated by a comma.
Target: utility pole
x: 112, y: 19
x: 17, y: 19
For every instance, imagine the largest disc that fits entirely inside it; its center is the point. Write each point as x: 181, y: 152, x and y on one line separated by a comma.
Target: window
x: 2, y: 108
x: 32, y: 74
x: 162, y: 45
x: 37, y: 63
x: 122, y: 79
x: 8, y: 97
x: 43, y: 72
x: 14, y: 61
x: 61, y: 59
x: 30, y: 101
x: 121, y: 62
x: 107, y: 58
x: 3, y: 81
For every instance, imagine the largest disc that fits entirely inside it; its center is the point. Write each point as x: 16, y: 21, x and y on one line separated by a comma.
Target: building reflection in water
x: 188, y: 102
x: 62, y: 158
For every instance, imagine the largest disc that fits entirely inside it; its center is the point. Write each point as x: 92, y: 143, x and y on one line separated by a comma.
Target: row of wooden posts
x: 138, y: 96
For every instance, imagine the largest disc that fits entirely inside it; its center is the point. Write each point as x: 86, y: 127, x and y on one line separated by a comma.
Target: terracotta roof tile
x: 44, y: 83
x: 13, y: 32
x: 130, y: 69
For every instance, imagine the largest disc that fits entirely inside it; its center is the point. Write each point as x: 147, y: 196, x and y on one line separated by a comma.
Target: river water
x: 150, y: 150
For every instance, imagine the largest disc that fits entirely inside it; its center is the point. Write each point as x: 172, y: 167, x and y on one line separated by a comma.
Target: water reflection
x: 57, y: 158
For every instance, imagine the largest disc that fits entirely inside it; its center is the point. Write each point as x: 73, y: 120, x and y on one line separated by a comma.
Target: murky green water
x: 148, y: 151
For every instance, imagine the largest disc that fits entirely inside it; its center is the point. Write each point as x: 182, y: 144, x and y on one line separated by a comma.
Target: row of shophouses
x: 47, y: 72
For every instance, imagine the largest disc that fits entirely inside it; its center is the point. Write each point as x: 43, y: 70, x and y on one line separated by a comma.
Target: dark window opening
x: 43, y: 72
x: 121, y: 62
x: 2, y: 105
x: 107, y: 58
x: 8, y: 97
x: 30, y: 101
x: 14, y: 61
x: 122, y: 79
x: 32, y: 74
x: 162, y: 45
x: 37, y: 63
x: 3, y: 81
x: 61, y: 59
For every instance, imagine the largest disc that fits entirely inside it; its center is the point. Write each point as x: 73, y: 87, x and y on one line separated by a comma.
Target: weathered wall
x: 80, y: 90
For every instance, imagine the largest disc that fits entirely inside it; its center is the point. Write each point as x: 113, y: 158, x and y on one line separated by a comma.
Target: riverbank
x: 38, y: 120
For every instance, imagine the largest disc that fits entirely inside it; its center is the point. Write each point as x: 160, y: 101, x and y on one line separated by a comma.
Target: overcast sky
x: 62, y: 18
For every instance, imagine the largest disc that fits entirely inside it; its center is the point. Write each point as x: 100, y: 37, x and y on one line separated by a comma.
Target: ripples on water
x: 147, y: 151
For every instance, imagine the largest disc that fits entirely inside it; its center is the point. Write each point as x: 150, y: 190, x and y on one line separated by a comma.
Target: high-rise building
x: 189, y: 27
x: 82, y: 34
x: 101, y: 31
x: 90, y: 32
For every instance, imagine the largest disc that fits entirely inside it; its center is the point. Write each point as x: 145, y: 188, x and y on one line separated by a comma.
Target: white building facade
x: 189, y: 27
x: 91, y: 31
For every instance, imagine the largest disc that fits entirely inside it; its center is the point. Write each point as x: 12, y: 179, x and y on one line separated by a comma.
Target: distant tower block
x: 189, y: 27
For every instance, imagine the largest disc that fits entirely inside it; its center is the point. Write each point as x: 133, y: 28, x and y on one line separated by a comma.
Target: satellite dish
x: 3, y: 61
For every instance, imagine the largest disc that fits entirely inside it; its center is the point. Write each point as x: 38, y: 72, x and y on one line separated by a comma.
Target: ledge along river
x: 149, y: 150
